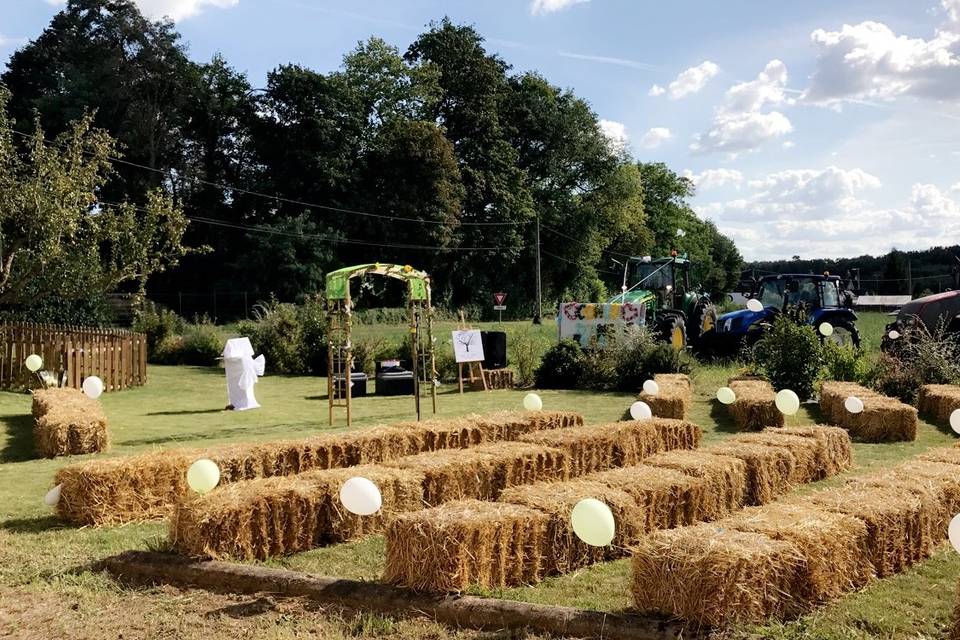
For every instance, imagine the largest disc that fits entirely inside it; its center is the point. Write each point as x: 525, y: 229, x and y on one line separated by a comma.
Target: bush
x: 562, y: 366
x: 202, y: 344
x: 313, y: 326
x: 277, y: 332
x: 159, y: 324
x: 844, y: 362
x: 927, y: 357
x: 526, y: 349
x: 790, y: 355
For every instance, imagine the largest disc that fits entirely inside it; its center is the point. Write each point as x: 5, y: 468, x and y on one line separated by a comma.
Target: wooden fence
x: 116, y: 356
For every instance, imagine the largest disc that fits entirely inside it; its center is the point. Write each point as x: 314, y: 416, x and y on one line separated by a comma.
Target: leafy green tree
x: 56, y: 240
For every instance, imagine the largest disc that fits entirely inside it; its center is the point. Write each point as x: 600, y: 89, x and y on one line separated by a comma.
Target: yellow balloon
x: 593, y: 522
x: 203, y: 475
x: 787, y: 402
x: 532, y: 402
x: 33, y: 362
x: 726, y: 395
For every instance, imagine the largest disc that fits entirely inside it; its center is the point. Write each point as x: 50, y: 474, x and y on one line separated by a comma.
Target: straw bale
x: 709, y: 575
x: 596, y: 447
x: 676, y: 434
x: 726, y: 478
x: 275, y: 516
x: 755, y: 406
x: 769, y: 469
x: 938, y: 401
x: 669, y: 498
x: 898, y: 522
x: 836, y: 441
x: 947, y: 455
x: 883, y: 419
x: 674, y: 397
x: 464, y: 543
x: 833, y: 393
x: 68, y: 423
x: 482, y: 472
x: 809, y: 453
x: 564, y: 552
x: 833, y: 545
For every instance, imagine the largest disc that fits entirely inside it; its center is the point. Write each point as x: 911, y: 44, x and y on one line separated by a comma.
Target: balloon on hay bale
x: 68, y: 422
x: 755, y: 405
x: 882, y: 419
x: 939, y: 401
x: 669, y: 498
x: 672, y: 398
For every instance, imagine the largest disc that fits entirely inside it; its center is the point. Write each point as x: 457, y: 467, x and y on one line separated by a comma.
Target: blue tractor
x: 815, y: 298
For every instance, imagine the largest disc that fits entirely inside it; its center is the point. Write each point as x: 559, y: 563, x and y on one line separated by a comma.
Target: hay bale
x: 709, y: 575
x: 833, y: 545
x: 725, y: 477
x: 676, y: 434
x: 769, y: 469
x: 596, y: 447
x: 482, y: 472
x: 883, y: 419
x: 836, y: 442
x: 755, y: 406
x: 68, y: 423
x: 938, y: 401
x: 809, y: 453
x: 674, y: 397
x: 275, y: 516
x: 459, y: 544
x: 498, y: 379
x: 898, y: 523
x: 833, y: 393
x: 564, y: 552
x: 669, y: 498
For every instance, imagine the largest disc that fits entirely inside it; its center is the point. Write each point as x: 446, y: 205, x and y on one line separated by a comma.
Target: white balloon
x: 826, y: 329
x: 894, y: 334
x: 53, y: 496
x: 754, y: 305
x: 532, y: 402
x: 853, y: 404
x: 953, y: 532
x: 360, y: 496
x: 203, y: 476
x: 93, y: 387
x: 726, y: 395
x: 955, y: 420
x: 593, y: 522
x: 33, y: 362
x: 651, y: 387
x: 640, y: 411
x: 787, y: 402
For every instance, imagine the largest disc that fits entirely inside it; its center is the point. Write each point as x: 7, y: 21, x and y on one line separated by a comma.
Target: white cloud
x: 655, y: 137
x: 767, y: 88
x: 616, y: 134
x: 540, y: 7
x: 868, y: 60
x: 688, y: 82
x: 955, y: 187
x: 715, y: 178
x: 173, y: 9
x: 952, y: 9
x: 789, y: 144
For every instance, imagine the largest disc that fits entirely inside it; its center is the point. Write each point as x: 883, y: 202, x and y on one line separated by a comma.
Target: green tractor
x: 678, y: 313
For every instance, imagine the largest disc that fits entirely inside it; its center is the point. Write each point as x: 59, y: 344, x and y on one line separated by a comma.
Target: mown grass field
x: 47, y: 589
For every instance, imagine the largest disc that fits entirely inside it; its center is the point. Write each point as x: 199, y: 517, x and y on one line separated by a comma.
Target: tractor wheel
x: 845, y: 334
x: 673, y: 332
x: 704, y: 319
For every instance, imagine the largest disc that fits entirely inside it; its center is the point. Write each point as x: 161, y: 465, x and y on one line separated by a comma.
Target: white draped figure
x: 242, y: 373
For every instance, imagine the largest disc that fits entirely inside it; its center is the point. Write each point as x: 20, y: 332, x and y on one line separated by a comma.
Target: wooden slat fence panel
x: 116, y: 356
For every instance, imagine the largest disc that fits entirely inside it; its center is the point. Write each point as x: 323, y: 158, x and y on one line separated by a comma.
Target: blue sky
x: 816, y: 128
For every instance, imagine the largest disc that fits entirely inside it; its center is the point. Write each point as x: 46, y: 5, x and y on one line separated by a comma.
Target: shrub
x: 790, y: 355
x: 313, y: 323
x: 927, y: 357
x: 526, y: 349
x: 277, y: 332
x: 844, y: 362
x: 446, y: 365
x: 562, y: 366
x: 202, y: 344
x: 158, y: 323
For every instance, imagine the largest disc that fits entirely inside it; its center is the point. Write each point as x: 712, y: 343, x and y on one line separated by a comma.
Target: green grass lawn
x: 48, y: 590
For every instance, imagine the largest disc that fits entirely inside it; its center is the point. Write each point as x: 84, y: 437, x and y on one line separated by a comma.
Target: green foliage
x: 790, y: 355
x: 844, y: 362
x: 158, y: 323
x: 927, y: 357
x: 562, y: 366
x: 202, y: 344
x: 92, y: 311
x: 526, y: 348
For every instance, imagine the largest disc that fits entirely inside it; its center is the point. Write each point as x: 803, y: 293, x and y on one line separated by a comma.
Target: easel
x: 464, y: 326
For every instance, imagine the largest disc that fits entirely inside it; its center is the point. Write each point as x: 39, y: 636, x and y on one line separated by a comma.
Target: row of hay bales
x: 527, y: 536
x: 783, y: 559
x: 673, y: 398
x: 67, y: 423
x: 755, y: 407
x: 146, y: 486
x: 883, y: 419
x: 939, y: 401
x: 267, y: 517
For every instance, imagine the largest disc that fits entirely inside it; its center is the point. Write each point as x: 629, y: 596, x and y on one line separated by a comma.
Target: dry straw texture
x: 676, y: 434
x: 836, y: 442
x: 726, y: 478
x: 710, y: 575
x: 145, y: 486
x: 451, y: 547
x: 669, y: 498
x: 883, y: 419
x: 275, y: 516
x: 597, y: 447
x: 769, y: 469
x: 564, y: 552
x: 755, y: 406
x: 809, y: 453
x: 674, y: 397
x: 955, y: 627
x: 68, y: 423
x: 938, y: 401
x: 833, y: 545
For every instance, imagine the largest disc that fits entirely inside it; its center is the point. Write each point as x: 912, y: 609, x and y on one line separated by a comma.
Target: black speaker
x: 494, y: 349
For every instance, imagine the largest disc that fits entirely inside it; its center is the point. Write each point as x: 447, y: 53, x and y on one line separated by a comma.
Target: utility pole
x: 909, y: 278
x: 537, y: 317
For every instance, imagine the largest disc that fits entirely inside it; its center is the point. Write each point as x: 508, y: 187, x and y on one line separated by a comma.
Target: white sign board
x: 467, y: 346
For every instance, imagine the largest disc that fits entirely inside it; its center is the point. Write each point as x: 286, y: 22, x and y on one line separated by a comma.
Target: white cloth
x: 242, y: 373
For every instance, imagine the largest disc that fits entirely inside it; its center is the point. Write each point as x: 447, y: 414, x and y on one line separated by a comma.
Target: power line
x: 581, y: 240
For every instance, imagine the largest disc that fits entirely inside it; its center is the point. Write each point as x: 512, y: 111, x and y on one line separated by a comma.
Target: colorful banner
x: 588, y: 322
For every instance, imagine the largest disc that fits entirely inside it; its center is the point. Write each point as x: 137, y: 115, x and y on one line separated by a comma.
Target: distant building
x: 881, y: 303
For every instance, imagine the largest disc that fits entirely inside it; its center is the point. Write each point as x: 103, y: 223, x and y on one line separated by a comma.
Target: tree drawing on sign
x: 466, y: 339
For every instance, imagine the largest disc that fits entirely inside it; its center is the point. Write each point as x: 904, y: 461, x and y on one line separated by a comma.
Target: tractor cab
x: 666, y: 278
